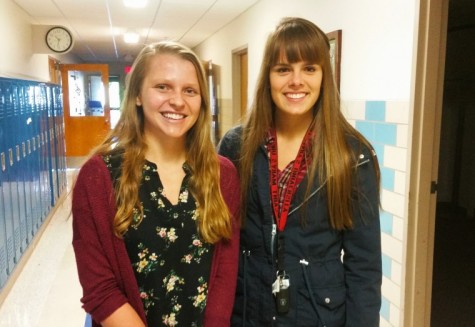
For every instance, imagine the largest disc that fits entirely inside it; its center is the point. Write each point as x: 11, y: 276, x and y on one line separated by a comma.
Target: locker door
x: 29, y: 171
x: 9, y: 189
x: 3, y: 232
x: 20, y: 169
x: 44, y: 153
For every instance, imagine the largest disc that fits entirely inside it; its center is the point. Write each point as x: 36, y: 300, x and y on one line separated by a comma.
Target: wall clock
x: 59, y: 39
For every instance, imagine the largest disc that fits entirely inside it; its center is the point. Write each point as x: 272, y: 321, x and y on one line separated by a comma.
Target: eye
x: 280, y: 69
x: 312, y: 68
x: 191, y: 91
x: 162, y: 87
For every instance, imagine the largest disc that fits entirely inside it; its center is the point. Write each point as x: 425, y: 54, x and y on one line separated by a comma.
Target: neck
x: 167, y: 152
x: 292, y: 127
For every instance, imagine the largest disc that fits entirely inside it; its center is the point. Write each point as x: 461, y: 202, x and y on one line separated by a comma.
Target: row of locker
x: 33, y: 164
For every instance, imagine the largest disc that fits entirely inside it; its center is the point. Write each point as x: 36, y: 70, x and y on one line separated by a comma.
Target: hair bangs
x: 294, y: 45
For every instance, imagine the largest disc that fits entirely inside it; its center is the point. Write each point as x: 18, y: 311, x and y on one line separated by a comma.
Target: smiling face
x: 170, y: 97
x: 295, y: 88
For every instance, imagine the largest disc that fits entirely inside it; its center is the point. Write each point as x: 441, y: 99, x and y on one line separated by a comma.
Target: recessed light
x: 135, y: 3
x: 131, y: 37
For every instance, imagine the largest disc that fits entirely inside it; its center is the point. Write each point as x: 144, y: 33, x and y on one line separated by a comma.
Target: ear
x: 138, y: 102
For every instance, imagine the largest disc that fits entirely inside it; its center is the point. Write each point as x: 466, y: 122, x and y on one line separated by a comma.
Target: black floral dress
x: 171, y: 263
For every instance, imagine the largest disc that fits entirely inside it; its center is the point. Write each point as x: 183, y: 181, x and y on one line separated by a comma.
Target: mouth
x: 295, y: 96
x: 173, y: 115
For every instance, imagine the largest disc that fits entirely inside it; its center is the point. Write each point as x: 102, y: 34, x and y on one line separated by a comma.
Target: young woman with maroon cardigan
x: 154, y: 208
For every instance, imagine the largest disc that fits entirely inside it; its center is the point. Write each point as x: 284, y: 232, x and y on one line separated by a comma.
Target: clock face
x: 59, y: 39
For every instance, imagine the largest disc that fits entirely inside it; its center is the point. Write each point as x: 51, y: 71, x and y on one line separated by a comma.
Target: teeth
x: 171, y: 115
x: 295, y: 95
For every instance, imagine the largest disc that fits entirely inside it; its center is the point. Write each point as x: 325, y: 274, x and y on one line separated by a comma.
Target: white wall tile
x: 396, y: 272
x: 400, y: 182
x: 391, y: 291
x: 398, y: 228
x: 397, y: 112
x: 395, y: 158
x: 393, y: 203
x: 394, y: 315
x: 402, y: 136
x: 391, y: 247
x: 354, y: 110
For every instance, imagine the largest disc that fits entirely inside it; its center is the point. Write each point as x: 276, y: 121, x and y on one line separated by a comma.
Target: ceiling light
x: 131, y: 37
x: 135, y: 3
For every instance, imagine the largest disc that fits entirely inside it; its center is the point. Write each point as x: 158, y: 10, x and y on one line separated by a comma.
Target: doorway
x: 86, y: 108
x: 453, y: 284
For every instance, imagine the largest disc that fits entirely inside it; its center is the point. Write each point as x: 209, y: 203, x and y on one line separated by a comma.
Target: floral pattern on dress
x: 171, y: 262
x: 196, y: 251
x: 148, y: 299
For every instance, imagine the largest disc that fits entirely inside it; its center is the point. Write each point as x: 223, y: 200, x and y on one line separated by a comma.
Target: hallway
x: 47, y: 291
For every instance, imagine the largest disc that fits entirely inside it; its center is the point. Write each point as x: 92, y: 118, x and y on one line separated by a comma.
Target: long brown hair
x: 214, y: 221
x: 333, y: 160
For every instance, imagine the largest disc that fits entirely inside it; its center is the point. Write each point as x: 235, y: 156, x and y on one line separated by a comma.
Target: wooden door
x: 86, y: 106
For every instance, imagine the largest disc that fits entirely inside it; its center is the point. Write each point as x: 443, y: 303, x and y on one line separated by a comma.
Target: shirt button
x: 327, y: 300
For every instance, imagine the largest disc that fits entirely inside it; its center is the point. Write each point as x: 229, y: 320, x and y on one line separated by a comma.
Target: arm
x: 125, y: 316
x: 225, y: 260
x: 362, y: 254
x: 93, y: 208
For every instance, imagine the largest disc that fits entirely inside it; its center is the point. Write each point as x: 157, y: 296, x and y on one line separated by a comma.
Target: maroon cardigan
x: 104, y: 268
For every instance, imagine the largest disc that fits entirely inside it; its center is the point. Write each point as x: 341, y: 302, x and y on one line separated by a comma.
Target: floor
x: 46, y: 292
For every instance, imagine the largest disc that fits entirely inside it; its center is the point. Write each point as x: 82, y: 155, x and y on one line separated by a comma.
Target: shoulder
x: 229, y: 179
x: 363, y: 153
x: 225, y: 164
x: 93, y: 164
x: 229, y: 146
x: 93, y: 172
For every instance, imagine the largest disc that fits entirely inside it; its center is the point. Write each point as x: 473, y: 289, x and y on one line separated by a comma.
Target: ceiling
x: 98, y: 25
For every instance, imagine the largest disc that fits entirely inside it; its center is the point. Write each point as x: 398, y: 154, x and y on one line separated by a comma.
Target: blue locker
x: 28, y: 171
x: 59, y: 137
x: 32, y: 163
x: 3, y: 231
x: 53, y: 172
x: 46, y: 203
x: 9, y: 189
x: 19, y: 167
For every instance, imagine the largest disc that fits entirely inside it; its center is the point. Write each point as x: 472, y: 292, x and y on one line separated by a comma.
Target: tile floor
x: 46, y: 292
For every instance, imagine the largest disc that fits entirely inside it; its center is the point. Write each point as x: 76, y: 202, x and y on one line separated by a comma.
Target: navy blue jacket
x: 335, y: 276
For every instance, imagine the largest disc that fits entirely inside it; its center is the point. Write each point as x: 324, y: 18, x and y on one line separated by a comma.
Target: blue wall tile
x: 387, y: 263
x: 375, y: 110
x: 386, y: 220
x: 367, y: 129
x: 385, y: 133
x: 387, y: 178
x: 385, y: 309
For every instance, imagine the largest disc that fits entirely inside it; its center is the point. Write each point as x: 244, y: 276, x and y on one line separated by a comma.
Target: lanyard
x: 289, y: 190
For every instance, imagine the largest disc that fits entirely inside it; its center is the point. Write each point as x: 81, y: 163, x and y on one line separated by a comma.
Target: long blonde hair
x: 333, y: 161
x: 214, y: 221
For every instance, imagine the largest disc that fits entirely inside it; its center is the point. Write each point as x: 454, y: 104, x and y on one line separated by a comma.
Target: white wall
x: 20, y: 56
x: 377, y: 43
x: 16, y: 58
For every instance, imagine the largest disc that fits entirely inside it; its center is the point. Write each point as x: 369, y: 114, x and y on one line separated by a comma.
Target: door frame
x: 427, y: 95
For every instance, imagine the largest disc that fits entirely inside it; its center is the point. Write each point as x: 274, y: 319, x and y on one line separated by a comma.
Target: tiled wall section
x: 385, y: 125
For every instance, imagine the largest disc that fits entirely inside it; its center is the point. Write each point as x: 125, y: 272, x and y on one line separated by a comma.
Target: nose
x: 176, y: 99
x: 296, y: 78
